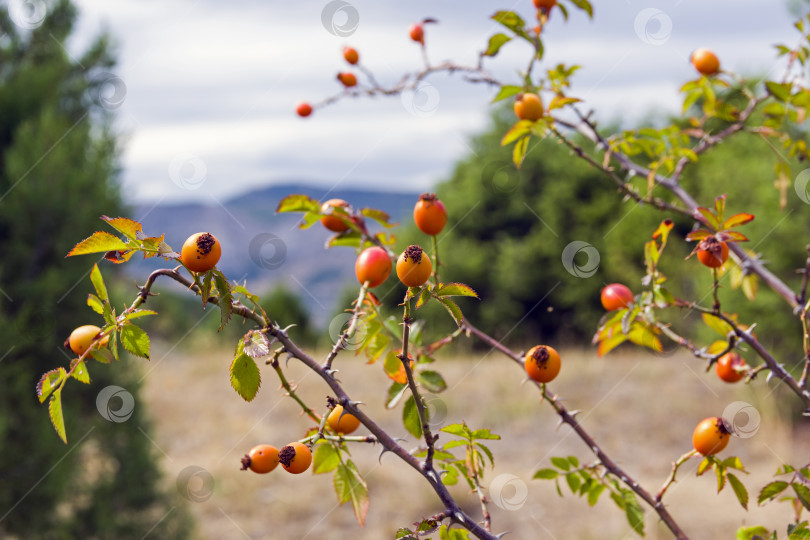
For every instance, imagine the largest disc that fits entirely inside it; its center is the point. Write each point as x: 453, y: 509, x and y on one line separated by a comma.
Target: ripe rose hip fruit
x: 351, y: 55
x: 616, y: 296
x: 417, y: 33
x: 414, y: 267
x: 347, y: 79
x: 344, y: 424
x: 262, y: 459
x: 82, y: 337
x: 295, y: 457
x: 542, y: 363
x: 730, y: 367
x: 705, y: 61
x: 373, y: 265
x: 304, y: 110
x: 334, y: 223
x: 529, y: 106
x: 545, y: 5
x: 712, y: 252
x: 430, y: 214
x: 710, y: 436
x: 201, y: 252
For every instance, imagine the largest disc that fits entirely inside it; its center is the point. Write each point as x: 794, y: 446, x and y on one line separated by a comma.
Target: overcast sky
x: 209, y: 88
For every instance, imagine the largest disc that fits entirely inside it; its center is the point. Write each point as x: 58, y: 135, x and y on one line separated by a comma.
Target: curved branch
x: 454, y: 511
x: 569, y: 419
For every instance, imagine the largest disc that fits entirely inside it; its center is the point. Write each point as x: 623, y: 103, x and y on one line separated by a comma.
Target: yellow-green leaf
x: 49, y: 382
x: 80, y: 373
x: 55, y: 412
x: 350, y: 486
x: 100, y: 242
x: 129, y: 228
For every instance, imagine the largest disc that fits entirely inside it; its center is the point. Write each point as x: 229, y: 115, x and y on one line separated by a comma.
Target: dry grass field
x: 640, y: 408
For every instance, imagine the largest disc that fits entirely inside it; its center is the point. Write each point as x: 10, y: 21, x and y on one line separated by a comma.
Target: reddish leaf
x: 705, y: 215
x: 736, y: 220
x: 699, y: 234
x: 731, y: 236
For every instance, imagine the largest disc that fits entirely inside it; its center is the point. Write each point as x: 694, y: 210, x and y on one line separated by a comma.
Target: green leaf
x: 780, y: 91
x: 802, y: 493
x: 424, y: 296
x: 495, y: 43
x: 573, y: 481
x: 395, y: 393
x: 455, y: 289
x: 453, y: 309
x: 100, y: 242
x: 734, y: 462
x: 325, y: 459
x: 239, y: 289
x: 245, y: 376
x: 487, y: 452
x: 561, y: 463
x: 95, y: 304
x: 509, y: 19
x: 546, y: 474
x: 585, y: 6
x: 298, y: 203
x: 739, y: 490
x: 135, y: 340
x: 350, y: 486
x: 138, y: 313
x: 205, y: 289
x: 410, y: 418
x: 49, y: 382
x: 459, y: 430
x: 432, y: 381
x: 634, y: 513
x: 573, y: 461
x: 594, y: 493
x: 98, y: 283
x: 345, y: 239
x: 225, y: 298
x: 507, y: 91
x: 55, y: 412
x: 80, y: 373
x: 383, y: 218
x: 484, y: 434
x: 102, y: 356
x: 750, y: 533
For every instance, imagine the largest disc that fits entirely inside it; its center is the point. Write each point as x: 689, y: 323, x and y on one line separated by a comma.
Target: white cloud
x: 221, y: 80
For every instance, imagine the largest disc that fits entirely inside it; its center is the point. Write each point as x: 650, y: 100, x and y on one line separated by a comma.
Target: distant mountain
x: 266, y: 248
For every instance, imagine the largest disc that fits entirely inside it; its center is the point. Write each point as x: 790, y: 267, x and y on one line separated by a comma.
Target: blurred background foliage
x: 58, y: 174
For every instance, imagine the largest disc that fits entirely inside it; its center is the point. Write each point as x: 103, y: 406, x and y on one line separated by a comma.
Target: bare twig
x: 569, y: 419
